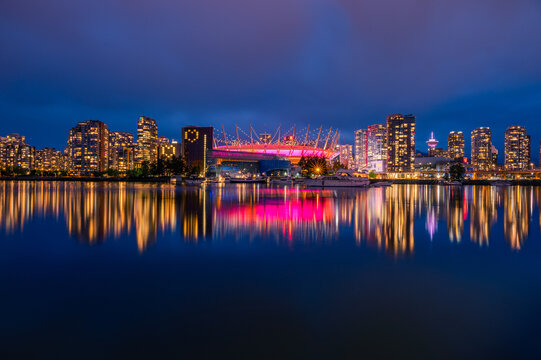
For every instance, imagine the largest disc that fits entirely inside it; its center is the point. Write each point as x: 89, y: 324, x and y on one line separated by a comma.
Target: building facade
x: 121, y: 151
x: 400, y: 143
x: 14, y: 152
x: 88, y: 147
x: 517, y: 148
x: 346, y: 156
x: 50, y: 159
x: 147, y: 140
x: 455, y: 145
x: 377, y: 148
x: 361, y: 149
x: 166, y: 149
x: 481, y: 149
x: 196, y: 141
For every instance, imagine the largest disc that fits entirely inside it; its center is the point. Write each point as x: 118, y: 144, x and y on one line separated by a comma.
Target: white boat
x: 341, y: 180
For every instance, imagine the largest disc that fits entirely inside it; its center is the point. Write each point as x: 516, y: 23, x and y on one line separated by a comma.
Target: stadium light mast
x: 327, y: 139
x: 306, y: 137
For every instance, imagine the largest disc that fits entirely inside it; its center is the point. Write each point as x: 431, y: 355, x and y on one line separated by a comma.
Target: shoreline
x: 166, y: 179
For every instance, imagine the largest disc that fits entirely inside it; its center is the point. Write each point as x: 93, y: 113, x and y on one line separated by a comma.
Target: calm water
x: 243, y: 271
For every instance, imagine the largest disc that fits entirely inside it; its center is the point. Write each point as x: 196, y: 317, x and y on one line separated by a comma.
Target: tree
x: 314, y: 165
x: 372, y: 174
x: 337, y: 165
x: 176, y: 166
x: 457, y: 171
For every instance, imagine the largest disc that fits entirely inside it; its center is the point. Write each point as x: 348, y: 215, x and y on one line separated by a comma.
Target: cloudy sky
x: 456, y: 65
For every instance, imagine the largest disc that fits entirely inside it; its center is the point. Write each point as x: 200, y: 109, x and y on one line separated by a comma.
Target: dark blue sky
x: 455, y: 64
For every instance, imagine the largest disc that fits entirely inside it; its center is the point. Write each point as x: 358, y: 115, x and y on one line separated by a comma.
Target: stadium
x: 290, y: 145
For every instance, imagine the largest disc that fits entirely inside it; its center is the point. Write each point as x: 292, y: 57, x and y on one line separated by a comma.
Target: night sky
x: 456, y: 65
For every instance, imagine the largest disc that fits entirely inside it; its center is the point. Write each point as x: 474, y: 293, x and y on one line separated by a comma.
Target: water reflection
x: 379, y: 218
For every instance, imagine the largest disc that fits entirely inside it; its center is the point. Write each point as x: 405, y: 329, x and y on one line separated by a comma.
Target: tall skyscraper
x: 346, y: 156
x: 361, y: 149
x: 377, y: 147
x: 481, y: 148
x: 88, y: 147
x: 196, y: 141
x: 121, y: 151
x: 517, y: 148
x: 400, y: 143
x: 455, y: 145
x: 147, y: 140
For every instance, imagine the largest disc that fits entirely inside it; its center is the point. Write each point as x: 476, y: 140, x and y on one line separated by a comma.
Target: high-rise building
x: 166, y: 149
x: 14, y: 152
x: 88, y: 147
x: 481, y: 149
x: 196, y: 141
x: 495, y: 153
x: 50, y: 159
x: 147, y: 140
x: 377, y: 147
x: 517, y: 148
x: 361, y: 149
x: 121, y: 151
x: 400, y: 143
x: 346, y: 156
x: 455, y: 145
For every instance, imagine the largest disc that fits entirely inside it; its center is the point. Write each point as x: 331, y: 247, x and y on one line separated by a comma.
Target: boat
x: 254, y: 180
x: 337, y: 180
x: 500, y: 183
x: 455, y: 183
x: 194, y: 181
x: 281, y: 181
x: 381, y: 184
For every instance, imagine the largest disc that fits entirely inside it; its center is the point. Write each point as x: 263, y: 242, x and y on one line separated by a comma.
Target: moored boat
x: 337, y: 181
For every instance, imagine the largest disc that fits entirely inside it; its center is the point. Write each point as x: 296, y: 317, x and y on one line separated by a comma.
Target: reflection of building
x: 517, y: 210
x: 484, y: 213
x: 455, y: 145
x: 147, y: 140
x: 196, y: 141
x: 481, y: 149
x: 456, y: 209
x: 517, y: 148
x: 346, y: 156
x: 88, y: 147
x: 14, y: 152
x: 400, y: 143
x: 361, y: 149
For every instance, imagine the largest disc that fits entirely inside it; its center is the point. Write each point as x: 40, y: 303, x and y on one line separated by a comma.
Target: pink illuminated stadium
x: 292, y: 146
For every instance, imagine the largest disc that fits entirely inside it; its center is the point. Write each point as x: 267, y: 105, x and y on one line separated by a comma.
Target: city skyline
x: 327, y: 62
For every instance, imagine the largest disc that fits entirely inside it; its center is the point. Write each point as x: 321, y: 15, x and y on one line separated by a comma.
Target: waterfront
x: 254, y: 271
